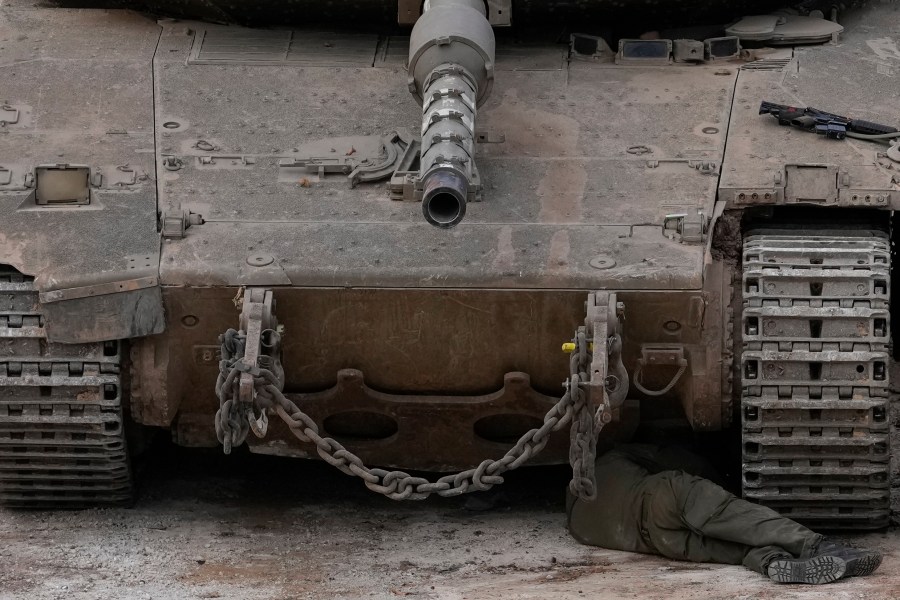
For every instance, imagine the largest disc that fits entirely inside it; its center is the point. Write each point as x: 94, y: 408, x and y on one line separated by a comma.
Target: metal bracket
x: 123, y: 176
x: 321, y: 165
x: 101, y: 289
x: 226, y: 161
x: 589, y: 47
x: 174, y: 224
x: 860, y: 197
x: 814, y: 183
x: 893, y: 152
x: 395, y: 146
x: 690, y: 51
x: 402, y: 185
x: 685, y: 227
x: 608, y: 378
x: 406, y: 185
x: 358, y: 169
x: 263, y: 348
x: 9, y: 119
x: 706, y: 167
x: 660, y: 355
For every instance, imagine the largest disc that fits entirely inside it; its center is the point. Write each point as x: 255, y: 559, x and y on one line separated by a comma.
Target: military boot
x: 813, y: 570
x: 859, y: 562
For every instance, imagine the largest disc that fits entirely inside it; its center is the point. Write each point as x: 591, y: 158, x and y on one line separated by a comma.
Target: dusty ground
x: 243, y: 528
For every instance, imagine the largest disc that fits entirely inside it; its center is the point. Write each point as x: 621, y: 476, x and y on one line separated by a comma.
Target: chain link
x: 585, y: 428
x: 234, y: 422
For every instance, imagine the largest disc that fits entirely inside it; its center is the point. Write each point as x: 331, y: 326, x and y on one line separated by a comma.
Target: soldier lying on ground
x: 656, y: 501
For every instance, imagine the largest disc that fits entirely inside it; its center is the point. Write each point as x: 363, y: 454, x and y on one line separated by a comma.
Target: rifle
x: 830, y: 125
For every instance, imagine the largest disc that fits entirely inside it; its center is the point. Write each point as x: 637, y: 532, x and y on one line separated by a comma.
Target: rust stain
x: 561, y: 192
x: 88, y: 396
x: 304, y: 579
x: 530, y: 131
x: 559, y: 251
x: 506, y: 253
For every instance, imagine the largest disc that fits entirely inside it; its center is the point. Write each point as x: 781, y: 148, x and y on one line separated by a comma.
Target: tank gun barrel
x: 451, y: 72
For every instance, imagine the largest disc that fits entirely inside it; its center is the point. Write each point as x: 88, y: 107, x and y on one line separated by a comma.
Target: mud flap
x: 108, y: 311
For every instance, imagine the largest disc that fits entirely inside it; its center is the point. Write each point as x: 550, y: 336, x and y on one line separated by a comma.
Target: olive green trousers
x: 645, y: 505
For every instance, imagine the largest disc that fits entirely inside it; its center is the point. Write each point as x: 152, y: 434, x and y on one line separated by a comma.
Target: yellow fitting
x: 569, y: 347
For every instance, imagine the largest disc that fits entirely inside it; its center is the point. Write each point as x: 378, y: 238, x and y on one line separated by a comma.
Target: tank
x: 453, y: 237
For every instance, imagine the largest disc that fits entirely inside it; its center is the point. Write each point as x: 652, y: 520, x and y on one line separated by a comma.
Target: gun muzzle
x: 444, y: 198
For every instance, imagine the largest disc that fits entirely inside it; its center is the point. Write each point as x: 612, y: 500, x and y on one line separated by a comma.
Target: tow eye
x: 654, y: 356
x: 251, y: 380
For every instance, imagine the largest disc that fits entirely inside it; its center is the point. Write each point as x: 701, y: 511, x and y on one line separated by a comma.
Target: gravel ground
x: 247, y: 527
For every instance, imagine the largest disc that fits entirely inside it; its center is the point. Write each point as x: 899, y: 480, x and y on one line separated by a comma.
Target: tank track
x: 814, y: 368
x: 62, y: 441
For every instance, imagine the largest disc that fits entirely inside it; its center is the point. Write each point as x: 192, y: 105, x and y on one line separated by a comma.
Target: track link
x: 62, y: 441
x: 814, y: 373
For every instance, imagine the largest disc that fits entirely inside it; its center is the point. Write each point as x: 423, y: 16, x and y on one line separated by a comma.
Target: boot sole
x: 816, y: 570
x: 866, y: 565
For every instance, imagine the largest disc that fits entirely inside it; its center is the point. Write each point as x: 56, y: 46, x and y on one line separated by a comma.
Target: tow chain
x: 236, y: 418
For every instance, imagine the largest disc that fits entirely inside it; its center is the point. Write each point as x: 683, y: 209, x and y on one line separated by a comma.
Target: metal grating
x: 240, y: 46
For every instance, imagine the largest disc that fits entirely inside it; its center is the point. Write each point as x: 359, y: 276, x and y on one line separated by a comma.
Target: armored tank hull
x: 259, y: 235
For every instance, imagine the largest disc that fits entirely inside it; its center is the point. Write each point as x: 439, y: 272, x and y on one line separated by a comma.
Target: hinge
x: 174, y: 223
x: 688, y: 228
